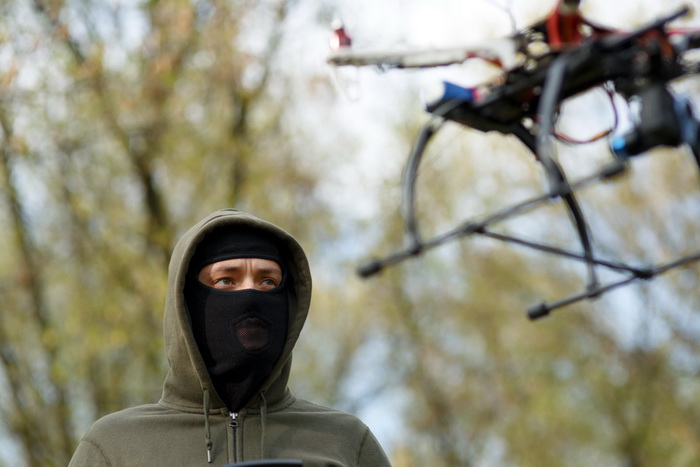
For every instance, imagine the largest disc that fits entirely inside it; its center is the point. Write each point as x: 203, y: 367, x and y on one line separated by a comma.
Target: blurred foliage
x: 122, y: 123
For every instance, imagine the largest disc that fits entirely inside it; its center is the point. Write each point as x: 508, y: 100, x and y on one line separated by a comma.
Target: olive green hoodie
x: 190, y: 425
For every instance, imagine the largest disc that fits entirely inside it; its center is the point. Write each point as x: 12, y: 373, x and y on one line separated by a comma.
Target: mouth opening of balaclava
x: 240, y: 333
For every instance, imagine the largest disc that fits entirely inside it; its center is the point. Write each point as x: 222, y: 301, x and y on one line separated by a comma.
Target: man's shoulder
x: 142, y: 435
x: 318, y: 428
x: 304, y: 409
x: 126, y: 418
x: 308, y: 406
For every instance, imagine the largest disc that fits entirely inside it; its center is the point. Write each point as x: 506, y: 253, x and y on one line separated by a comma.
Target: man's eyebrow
x: 225, y: 268
x: 269, y: 270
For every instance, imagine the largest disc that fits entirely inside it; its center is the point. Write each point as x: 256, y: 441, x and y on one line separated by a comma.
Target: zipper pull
x: 234, y: 419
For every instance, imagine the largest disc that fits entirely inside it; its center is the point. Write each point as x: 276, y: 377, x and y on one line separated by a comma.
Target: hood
x: 187, y: 377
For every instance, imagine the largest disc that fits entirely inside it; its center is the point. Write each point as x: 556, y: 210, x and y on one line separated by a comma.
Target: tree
x: 121, y: 125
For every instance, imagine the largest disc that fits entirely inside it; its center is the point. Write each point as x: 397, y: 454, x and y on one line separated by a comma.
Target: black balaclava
x: 240, y: 334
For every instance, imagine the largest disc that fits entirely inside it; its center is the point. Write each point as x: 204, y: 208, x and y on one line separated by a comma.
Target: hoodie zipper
x: 233, y: 423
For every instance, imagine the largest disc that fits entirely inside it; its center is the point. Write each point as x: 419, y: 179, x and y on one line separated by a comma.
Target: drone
x: 541, y: 67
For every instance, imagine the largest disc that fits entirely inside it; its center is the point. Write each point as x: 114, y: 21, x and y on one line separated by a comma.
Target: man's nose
x: 247, y: 283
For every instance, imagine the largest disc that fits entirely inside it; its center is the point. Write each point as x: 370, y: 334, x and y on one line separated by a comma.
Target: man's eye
x: 224, y: 281
x: 269, y: 283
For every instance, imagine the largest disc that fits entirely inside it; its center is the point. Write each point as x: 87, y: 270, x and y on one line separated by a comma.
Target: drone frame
x: 639, y: 63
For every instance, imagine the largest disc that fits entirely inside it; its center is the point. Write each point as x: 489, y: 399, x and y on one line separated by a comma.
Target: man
x: 238, y: 294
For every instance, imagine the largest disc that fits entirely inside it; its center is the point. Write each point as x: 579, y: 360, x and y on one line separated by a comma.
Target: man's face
x: 242, y: 273
x: 239, y: 312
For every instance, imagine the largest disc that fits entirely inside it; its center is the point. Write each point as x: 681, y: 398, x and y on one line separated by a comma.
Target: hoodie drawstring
x: 263, y: 418
x: 207, y: 431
